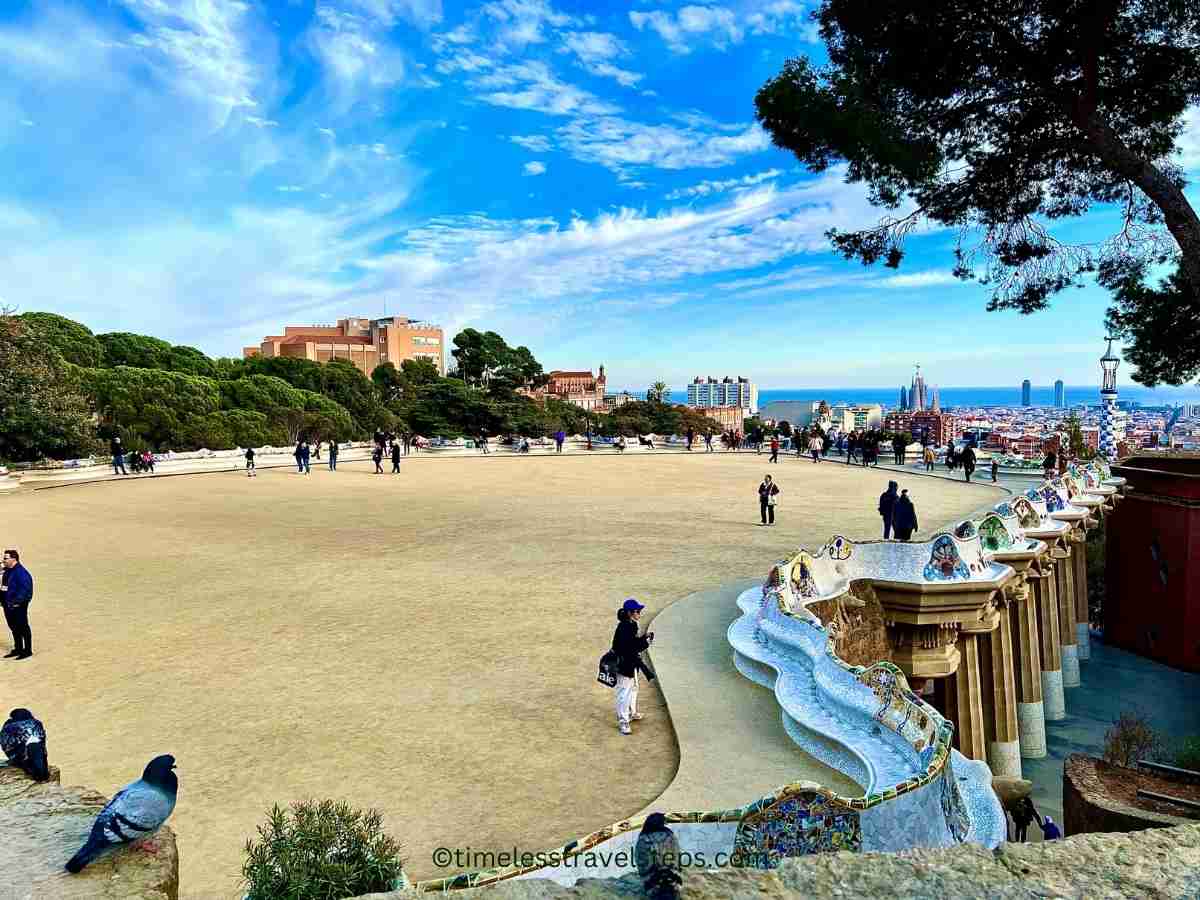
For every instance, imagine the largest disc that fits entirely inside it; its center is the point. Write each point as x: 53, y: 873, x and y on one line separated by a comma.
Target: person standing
x: 767, y: 492
x: 16, y: 593
x: 250, y: 470
x: 968, y: 461
x: 995, y: 470
x: 118, y: 456
x: 395, y: 457
x: 929, y: 457
x: 333, y: 455
x: 774, y: 450
x: 708, y: 447
x: 305, y: 455
x: 559, y: 437
x: 1049, y: 464
x: 691, y: 436
x: 815, y: 446
x: 1024, y: 815
x: 887, y: 507
x: 483, y: 443
x: 317, y: 451
x: 299, y: 464
x: 851, y: 446
x: 377, y: 458
x: 629, y: 645
x: 904, y: 517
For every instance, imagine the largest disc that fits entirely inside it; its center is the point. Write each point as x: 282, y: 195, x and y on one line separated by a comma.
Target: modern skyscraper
x: 1060, y: 395
x: 917, y: 399
x: 709, y: 392
x: 1026, y: 391
x: 903, y: 397
x: 1112, y: 420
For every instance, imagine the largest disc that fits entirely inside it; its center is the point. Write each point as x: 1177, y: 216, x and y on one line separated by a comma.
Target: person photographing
x: 629, y: 645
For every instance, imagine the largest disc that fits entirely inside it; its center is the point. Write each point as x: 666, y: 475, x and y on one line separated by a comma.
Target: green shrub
x: 1131, y: 738
x: 320, y: 851
x: 1187, y: 753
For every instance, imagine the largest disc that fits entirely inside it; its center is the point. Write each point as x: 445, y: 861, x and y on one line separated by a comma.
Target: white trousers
x: 626, y: 698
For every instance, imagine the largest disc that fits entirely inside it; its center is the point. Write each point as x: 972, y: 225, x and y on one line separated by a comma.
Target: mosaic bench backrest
x: 805, y: 577
x: 903, y: 712
x: 1027, y: 516
x: 995, y: 535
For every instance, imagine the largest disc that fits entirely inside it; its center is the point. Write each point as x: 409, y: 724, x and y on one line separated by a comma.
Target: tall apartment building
x: 1026, y: 393
x: 706, y: 392
x: 862, y: 417
x: 1060, y: 395
x: 365, y: 342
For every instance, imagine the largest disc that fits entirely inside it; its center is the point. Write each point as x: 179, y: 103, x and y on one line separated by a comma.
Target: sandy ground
x: 422, y: 643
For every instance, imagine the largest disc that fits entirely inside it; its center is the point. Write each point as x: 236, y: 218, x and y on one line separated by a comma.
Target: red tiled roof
x: 326, y: 339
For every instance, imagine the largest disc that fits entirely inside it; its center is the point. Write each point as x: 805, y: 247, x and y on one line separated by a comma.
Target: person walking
x: 483, y: 443
x: 333, y: 455
x: 930, y: 458
x: 995, y: 470
x: 305, y: 455
x: 559, y: 437
x: 968, y: 461
x: 1049, y: 464
x: 395, y: 457
x: 767, y: 492
x: 887, y: 507
x: 317, y: 451
x: 118, y: 456
x: 898, y: 449
x: 251, y: 472
x: 851, y: 446
x: 629, y: 645
x: 1050, y: 831
x: 16, y: 593
x: 815, y: 446
x: 1024, y: 815
x: 708, y: 447
x: 774, y: 450
x: 377, y: 458
x: 296, y: 455
x: 904, y: 517
x: 691, y: 436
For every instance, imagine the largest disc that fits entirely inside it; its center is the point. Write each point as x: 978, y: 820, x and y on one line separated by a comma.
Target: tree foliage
x: 482, y: 356
x: 74, y: 341
x: 997, y: 119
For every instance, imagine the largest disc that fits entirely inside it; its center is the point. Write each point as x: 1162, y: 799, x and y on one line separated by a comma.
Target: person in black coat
x: 767, y: 492
x: 16, y: 593
x: 904, y: 518
x: 887, y: 507
x: 968, y: 462
x: 629, y: 645
x: 395, y: 458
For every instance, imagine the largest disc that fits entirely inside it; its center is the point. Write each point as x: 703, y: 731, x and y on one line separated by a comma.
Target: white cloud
x: 595, y: 51
x: 917, y: 280
x: 786, y: 17
x: 289, y: 189
x: 259, y: 122
x: 690, y: 26
x: 617, y: 144
x: 328, y: 132
x: 522, y: 22
x: 704, y: 188
x: 28, y: 123
x: 1188, y: 142
x: 534, y: 168
x: 537, y: 88
x: 351, y: 48
x: 535, y: 143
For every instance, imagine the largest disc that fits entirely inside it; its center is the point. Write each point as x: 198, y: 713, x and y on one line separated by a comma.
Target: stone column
x: 1065, y: 573
x: 1083, y: 633
x: 999, y: 691
x: 964, y: 700
x: 1054, y: 701
x: 1027, y: 666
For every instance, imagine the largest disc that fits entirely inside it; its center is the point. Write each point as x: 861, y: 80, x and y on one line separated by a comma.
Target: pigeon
x: 658, y: 859
x: 23, y: 739
x: 137, y: 811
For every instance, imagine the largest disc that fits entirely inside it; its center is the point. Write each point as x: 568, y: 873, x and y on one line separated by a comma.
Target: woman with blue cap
x: 628, y: 645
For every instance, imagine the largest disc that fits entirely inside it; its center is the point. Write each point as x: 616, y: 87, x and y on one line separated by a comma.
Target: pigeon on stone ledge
x: 137, y: 811
x: 23, y: 739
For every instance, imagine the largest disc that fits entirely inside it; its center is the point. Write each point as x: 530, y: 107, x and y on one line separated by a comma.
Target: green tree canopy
x: 483, y: 356
x: 190, y: 361
x: 997, y: 118
x: 151, y: 405
x: 73, y: 340
x: 137, y: 350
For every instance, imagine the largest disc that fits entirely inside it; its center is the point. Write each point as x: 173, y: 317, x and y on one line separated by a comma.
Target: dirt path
x: 423, y: 643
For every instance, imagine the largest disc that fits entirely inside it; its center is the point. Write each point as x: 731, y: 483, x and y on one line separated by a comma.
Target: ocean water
x: 1040, y: 395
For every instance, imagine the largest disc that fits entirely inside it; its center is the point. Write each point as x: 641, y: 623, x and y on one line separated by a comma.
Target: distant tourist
x: 708, y: 447
x: 1050, y: 831
x: 16, y: 593
x: 317, y: 451
x: 377, y: 458
x: 629, y: 645
x: 774, y: 450
x: 406, y: 440
x: 659, y: 861
x: 483, y: 443
x: 395, y: 458
x: 968, y: 461
x: 995, y: 470
x: 815, y: 446
x: 826, y: 443
x: 898, y: 450
x: 691, y: 436
x: 951, y: 456
x: 767, y: 492
x: 333, y: 455
x: 904, y: 517
x: 929, y: 458
x: 251, y: 472
x: 305, y: 455
x: 296, y: 456
x: 887, y: 507
x: 559, y: 437
x: 118, y: 456
x: 851, y: 446
x: 1049, y: 464
x: 619, y: 444
x: 1024, y: 814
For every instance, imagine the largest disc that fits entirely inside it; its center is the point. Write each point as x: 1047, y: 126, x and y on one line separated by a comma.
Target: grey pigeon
x: 23, y: 739
x: 658, y: 860
x: 137, y: 811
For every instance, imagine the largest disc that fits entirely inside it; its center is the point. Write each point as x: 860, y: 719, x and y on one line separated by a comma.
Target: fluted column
x: 999, y: 689
x: 1065, y: 573
x: 1054, y: 701
x: 1083, y: 633
x: 1027, y: 667
x: 964, y: 700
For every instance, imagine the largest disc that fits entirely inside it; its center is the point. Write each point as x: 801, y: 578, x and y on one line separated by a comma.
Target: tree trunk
x: 1179, y: 216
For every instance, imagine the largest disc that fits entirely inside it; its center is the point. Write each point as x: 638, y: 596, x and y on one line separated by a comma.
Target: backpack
x: 607, y: 674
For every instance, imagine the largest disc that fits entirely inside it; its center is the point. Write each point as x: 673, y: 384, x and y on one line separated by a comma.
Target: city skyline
x: 524, y: 166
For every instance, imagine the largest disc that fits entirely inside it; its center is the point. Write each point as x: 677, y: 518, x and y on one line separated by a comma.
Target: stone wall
x: 862, y: 635
x: 41, y: 827
x: 1087, y: 807
x: 1162, y: 863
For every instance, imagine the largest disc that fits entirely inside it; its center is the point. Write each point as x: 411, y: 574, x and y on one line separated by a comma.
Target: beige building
x: 365, y: 342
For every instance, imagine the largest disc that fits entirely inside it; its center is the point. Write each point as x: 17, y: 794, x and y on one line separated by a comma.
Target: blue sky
x: 586, y: 179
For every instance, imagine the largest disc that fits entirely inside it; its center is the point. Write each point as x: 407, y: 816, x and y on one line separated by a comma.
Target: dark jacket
x: 765, y: 493
x: 395, y: 453
x: 116, y: 448
x: 628, y: 645
x: 968, y: 458
x: 904, y: 518
x: 887, y: 501
x: 333, y: 449
x: 20, y: 586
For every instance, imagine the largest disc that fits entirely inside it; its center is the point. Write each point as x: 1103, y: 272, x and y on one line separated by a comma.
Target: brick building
x: 939, y: 426
x: 365, y: 342
x: 585, y: 390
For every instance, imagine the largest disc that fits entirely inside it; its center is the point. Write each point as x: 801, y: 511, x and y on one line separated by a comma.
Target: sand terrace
x: 423, y: 643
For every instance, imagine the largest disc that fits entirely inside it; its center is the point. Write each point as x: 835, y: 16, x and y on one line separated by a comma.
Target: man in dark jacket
x: 628, y: 645
x: 904, y: 517
x: 887, y: 507
x: 968, y: 461
x: 118, y: 456
x: 396, y: 459
x: 16, y: 591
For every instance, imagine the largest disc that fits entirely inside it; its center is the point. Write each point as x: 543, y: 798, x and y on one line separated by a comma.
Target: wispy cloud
x: 704, y: 188
x: 916, y: 280
x: 691, y: 26
x: 1188, y: 141
x: 595, y: 52
x: 619, y: 143
x: 534, y: 168
x: 524, y: 22
x: 535, y: 143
